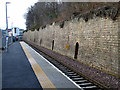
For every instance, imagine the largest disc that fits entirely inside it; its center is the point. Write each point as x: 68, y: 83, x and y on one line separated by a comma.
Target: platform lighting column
x: 6, y: 27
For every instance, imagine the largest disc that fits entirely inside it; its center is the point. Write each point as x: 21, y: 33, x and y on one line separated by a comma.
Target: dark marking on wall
x: 38, y: 29
x: 62, y: 24
x: 34, y: 39
x: 43, y: 26
x: 52, y: 44
x: 51, y: 23
x: 76, y: 50
x: 40, y: 41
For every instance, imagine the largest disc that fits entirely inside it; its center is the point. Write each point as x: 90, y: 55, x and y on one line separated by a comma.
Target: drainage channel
x: 81, y: 81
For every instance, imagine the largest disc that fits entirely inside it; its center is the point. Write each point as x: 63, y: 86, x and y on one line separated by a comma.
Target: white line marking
x: 55, y: 68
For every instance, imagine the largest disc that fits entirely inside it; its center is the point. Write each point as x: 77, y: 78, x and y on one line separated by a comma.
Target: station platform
x: 23, y: 67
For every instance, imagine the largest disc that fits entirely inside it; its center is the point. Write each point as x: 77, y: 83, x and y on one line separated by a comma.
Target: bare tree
x: 43, y: 13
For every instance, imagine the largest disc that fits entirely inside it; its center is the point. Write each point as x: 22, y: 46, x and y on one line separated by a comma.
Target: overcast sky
x: 16, y: 11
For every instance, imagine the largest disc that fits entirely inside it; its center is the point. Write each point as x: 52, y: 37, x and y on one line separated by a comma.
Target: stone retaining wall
x: 97, y: 39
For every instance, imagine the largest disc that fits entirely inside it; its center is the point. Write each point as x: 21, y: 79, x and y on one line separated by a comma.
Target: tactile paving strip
x: 41, y: 76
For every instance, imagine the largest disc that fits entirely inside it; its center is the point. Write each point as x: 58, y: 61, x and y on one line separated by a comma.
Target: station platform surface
x: 16, y: 69
x: 23, y: 67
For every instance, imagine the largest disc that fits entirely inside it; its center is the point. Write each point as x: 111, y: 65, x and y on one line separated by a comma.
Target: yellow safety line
x: 41, y: 76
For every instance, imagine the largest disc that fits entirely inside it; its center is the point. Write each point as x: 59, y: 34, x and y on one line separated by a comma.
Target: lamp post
x: 6, y: 27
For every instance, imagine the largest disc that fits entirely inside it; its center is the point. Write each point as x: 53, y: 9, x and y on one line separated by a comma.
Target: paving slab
x: 16, y: 69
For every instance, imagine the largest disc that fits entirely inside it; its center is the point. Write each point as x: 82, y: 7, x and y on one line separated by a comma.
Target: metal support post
x: 7, y: 37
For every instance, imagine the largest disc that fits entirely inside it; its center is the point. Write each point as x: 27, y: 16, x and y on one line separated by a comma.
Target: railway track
x: 75, y: 77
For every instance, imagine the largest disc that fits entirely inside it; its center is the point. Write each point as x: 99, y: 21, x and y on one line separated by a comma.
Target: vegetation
x: 43, y: 13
